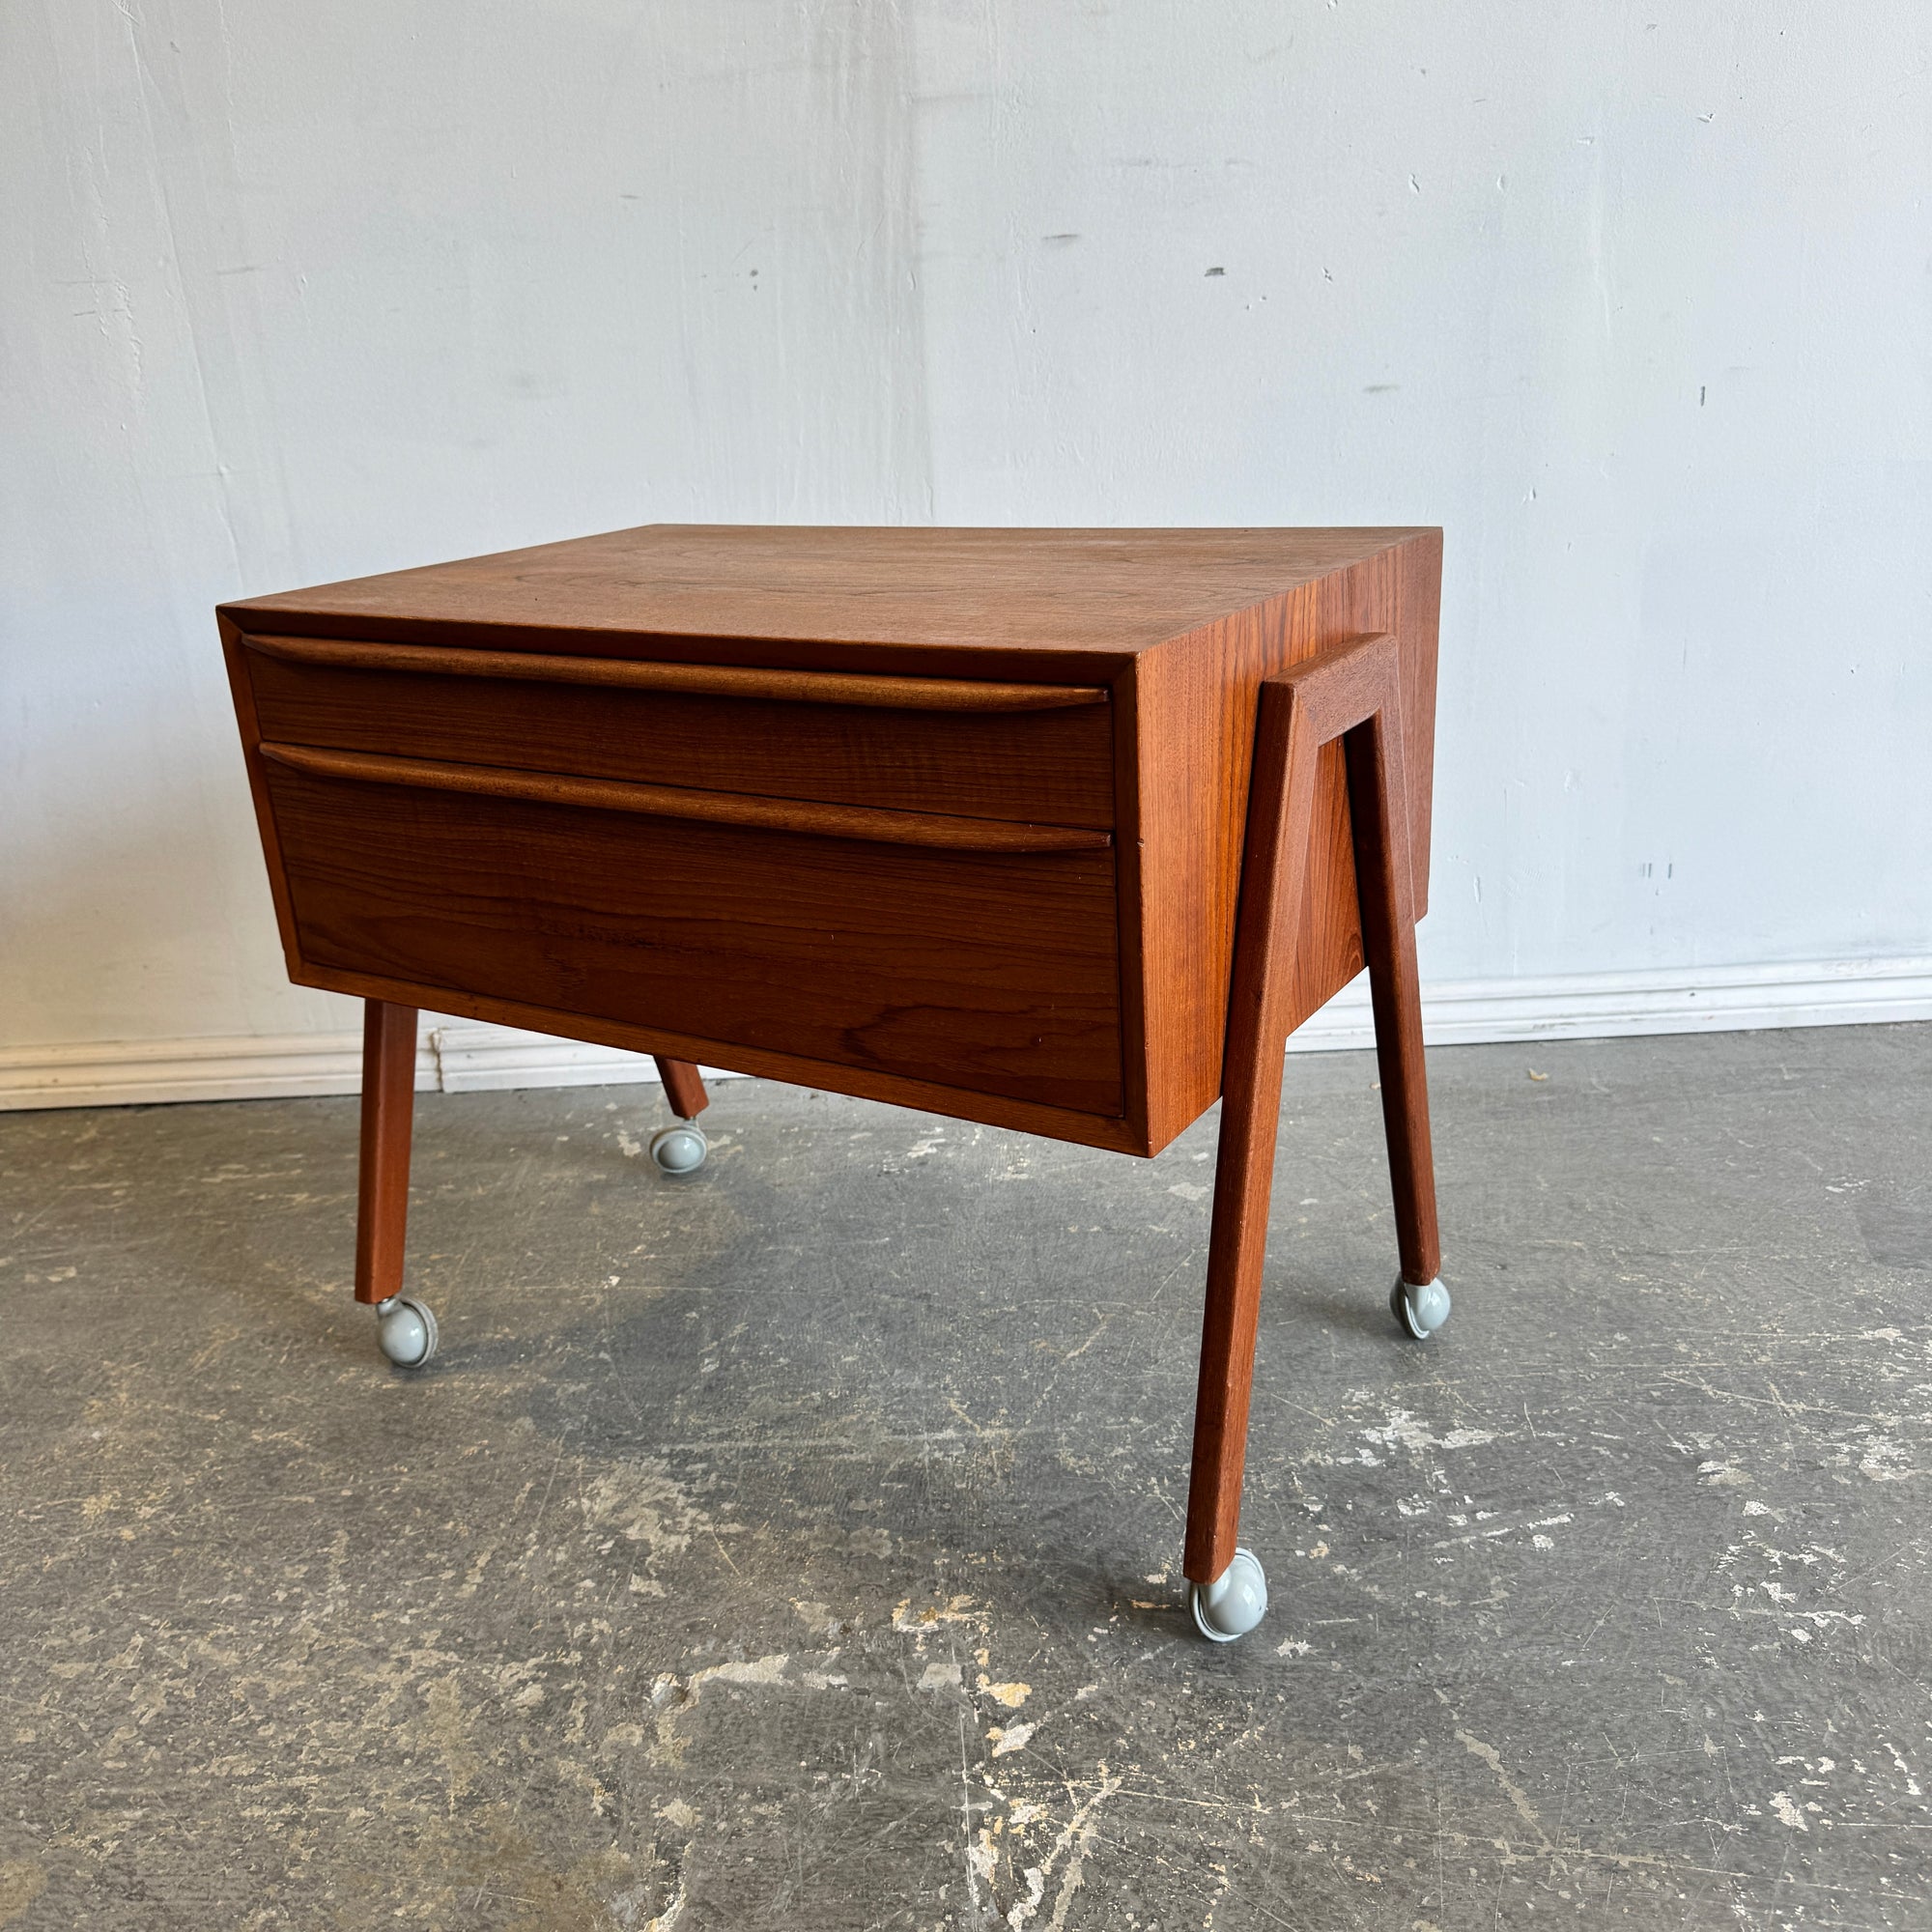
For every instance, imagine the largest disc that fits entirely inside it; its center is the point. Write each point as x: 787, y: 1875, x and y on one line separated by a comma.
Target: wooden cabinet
x: 951, y: 818
x: 1064, y: 681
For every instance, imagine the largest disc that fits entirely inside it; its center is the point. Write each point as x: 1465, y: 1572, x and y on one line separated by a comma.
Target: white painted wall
x: 1636, y: 301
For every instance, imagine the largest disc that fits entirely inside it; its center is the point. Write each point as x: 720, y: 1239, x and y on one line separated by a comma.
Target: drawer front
x: 991, y: 750
x: 994, y: 971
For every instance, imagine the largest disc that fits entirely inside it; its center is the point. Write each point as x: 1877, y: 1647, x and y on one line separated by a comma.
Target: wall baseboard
x: 1607, y: 1006
x: 463, y: 1055
x: 452, y: 1056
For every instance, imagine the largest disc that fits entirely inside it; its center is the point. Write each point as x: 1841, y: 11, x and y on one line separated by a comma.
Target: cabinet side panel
x: 1328, y: 946
x: 1417, y: 621
x: 1198, y: 700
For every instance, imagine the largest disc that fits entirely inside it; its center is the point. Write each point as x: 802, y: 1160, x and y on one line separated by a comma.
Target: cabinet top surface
x: 1052, y: 590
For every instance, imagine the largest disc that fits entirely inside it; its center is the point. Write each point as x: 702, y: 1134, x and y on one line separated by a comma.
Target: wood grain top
x: 1054, y: 590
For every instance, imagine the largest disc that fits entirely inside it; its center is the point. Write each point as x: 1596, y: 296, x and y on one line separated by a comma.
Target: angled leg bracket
x: 1352, y: 692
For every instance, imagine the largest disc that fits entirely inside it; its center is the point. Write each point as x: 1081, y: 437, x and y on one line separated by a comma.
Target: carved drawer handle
x: 788, y: 687
x: 942, y: 830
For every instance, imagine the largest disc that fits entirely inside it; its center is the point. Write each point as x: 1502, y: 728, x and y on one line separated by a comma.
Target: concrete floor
x: 797, y: 1545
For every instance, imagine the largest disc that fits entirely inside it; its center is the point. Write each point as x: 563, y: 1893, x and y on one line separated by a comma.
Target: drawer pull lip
x: 787, y: 687
x: 871, y: 823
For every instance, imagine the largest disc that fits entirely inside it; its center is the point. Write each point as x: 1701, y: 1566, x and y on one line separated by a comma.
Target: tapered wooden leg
x: 1280, y: 809
x: 1378, y: 809
x: 1353, y: 693
x: 684, y: 1087
x: 388, y: 1102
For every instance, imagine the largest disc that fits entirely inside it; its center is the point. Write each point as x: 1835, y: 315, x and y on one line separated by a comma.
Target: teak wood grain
x: 900, y: 601
x: 989, y: 971
x: 684, y: 1087
x: 1057, y: 830
x: 1178, y: 628
x: 1181, y: 785
x: 383, y: 1191
x: 1112, y: 1132
x: 712, y: 808
x: 785, y: 687
x: 1051, y: 765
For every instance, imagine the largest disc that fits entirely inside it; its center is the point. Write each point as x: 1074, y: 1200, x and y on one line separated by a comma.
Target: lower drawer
x: 996, y: 972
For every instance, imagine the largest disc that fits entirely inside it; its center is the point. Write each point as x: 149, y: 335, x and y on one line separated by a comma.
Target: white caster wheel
x: 1420, y: 1311
x: 1234, y: 1603
x: 405, y: 1330
x: 680, y: 1148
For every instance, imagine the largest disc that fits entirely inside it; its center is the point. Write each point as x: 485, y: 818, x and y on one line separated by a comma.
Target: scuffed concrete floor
x: 797, y: 1545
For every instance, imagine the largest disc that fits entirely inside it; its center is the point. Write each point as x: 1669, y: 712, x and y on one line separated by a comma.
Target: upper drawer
x: 1038, y: 752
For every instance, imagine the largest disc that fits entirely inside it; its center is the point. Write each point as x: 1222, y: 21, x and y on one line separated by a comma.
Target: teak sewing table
x: 1062, y: 831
